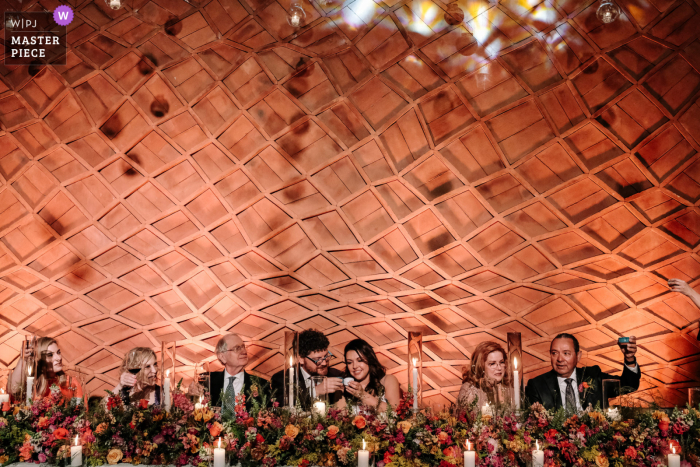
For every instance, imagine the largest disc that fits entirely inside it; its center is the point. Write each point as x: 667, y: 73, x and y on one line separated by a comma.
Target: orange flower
x: 5, y: 406
x: 332, y: 432
x: 114, y: 456
x: 100, y: 428
x: 449, y: 452
x: 404, y: 426
x: 60, y: 433
x: 442, y: 437
x: 585, y: 385
x: 359, y: 422
x: 291, y: 431
x: 215, y: 429
x: 43, y: 422
x: 143, y: 403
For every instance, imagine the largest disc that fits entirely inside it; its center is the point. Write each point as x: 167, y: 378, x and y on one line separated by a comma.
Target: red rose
x: 359, y: 422
x: 304, y: 463
x: 143, y: 404
x: 60, y: 433
x: 259, y: 438
x: 631, y: 452
x: 663, y: 425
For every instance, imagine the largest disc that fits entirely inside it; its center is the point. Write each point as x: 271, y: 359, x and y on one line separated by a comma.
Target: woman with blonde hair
x: 137, y: 377
x: 487, y: 379
x: 49, y: 372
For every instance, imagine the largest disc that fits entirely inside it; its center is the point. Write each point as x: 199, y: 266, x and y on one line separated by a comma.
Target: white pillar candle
x: 363, y: 456
x: 487, y: 410
x: 516, y: 384
x: 76, y: 454
x: 537, y: 456
x: 4, y: 397
x: 30, y: 386
x: 320, y: 407
x: 674, y: 460
x: 291, y: 382
x: 469, y: 456
x: 415, y: 385
x: 198, y: 405
x: 219, y: 456
x: 166, y: 390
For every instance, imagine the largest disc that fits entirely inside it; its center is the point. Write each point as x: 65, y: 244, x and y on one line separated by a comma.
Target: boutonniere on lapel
x: 254, y: 390
x: 585, y: 386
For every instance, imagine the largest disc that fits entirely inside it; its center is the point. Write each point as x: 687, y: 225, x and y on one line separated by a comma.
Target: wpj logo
x: 63, y: 15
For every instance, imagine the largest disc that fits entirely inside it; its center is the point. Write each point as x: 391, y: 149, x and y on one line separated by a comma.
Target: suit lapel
x: 585, y: 394
x: 553, y: 386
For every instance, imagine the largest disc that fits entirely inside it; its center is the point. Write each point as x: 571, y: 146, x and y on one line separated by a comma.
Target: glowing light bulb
x: 608, y: 11
x: 296, y: 15
x: 115, y: 4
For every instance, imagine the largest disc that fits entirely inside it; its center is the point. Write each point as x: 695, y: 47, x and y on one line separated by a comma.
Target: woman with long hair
x: 138, y: 376
x: 49, y: 372
x: 367, y: 382
x: 487, y: 377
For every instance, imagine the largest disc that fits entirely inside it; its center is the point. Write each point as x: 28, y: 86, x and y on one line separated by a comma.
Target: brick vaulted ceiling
x: 198, y: 168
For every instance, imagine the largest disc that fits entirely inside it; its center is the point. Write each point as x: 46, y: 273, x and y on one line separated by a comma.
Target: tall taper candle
x: 30, y: 385
x: 166, y: 390
x: 516, y: 384
x: 415, y: 385
x: 291, y: 382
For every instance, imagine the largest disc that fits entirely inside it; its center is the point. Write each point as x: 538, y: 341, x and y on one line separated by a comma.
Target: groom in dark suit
x: 564, y: 386
x: 315, y: 359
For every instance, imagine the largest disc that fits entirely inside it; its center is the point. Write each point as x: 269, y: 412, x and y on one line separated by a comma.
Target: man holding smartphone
x: 315, y: 361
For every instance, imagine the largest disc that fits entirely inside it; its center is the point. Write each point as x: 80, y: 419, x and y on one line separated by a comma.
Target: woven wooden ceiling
x: 199, y: 168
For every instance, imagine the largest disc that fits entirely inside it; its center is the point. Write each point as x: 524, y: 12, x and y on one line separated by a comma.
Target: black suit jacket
x: 545, y: 388
x: 277, y: 384
x: 217, y: 388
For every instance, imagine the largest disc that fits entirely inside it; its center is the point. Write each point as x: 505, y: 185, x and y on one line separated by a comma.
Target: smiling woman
x: 49, y: 372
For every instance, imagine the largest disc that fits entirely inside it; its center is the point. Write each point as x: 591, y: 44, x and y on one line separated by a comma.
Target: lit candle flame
x: 674, y: 448
x: 29, y: 371
x: 219, y: 442
x: 76, y: 440
x: 415, y: 360
x: 201, y: 398
x: 469, y: 446
x: 167, y: 373
x: 515, y: 362
x: 364, y: 444
x: 538, y: 444
x: 2, y: 391
x: 291, y: 361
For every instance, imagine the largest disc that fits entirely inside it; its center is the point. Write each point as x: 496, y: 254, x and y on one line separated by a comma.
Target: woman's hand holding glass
x: 128, y: 380
x: 358, y: 391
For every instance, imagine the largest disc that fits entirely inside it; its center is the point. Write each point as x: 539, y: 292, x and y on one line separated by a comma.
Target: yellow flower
x: 114, y: 456
x: 601, y: 461
x: 291, y: 431
x: 4, y: 459
x: 597, y: 416
x: 404, y: 426
x: 204, y: 414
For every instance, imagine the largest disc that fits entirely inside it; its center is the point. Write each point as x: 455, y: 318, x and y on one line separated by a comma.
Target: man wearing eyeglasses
x: 315, y: 361
x: 234, y: 380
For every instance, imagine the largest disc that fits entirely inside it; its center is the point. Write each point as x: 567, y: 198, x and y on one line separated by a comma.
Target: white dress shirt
x: 237, y: 382
x: 574, y: 384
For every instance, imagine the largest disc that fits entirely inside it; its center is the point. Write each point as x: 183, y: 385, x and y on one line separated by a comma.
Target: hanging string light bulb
x: 114, y: 4
x: 608, y: 11
x: 296, y: 14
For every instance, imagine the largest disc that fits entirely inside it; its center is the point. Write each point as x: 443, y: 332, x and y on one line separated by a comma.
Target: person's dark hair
x: 312, y: 340
x: 565, y: 335
x: 376, y: 369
